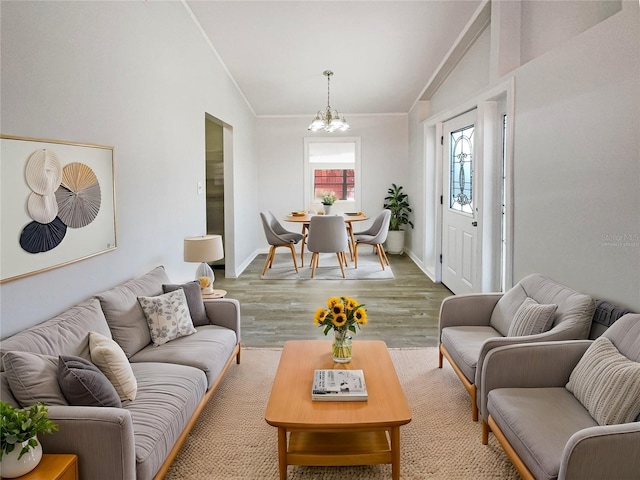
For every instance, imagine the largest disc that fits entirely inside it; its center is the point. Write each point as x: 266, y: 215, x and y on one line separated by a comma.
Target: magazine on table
x: 339, y: 386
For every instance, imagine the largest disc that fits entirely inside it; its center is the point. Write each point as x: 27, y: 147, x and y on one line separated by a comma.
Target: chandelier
x: 329, y: 120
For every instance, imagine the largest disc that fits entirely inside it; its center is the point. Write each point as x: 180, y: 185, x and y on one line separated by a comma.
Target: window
x: 461, y: 164
x: 332, y: 164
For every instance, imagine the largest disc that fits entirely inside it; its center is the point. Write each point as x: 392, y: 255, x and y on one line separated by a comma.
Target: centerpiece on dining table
x: 342, y: 315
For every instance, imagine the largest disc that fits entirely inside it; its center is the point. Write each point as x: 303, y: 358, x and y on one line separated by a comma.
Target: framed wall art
x: 57, y: 204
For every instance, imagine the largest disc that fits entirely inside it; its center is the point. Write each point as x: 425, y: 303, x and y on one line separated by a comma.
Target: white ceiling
x: 382, y: 53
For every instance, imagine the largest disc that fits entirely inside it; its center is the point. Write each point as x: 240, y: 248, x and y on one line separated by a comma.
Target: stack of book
x: 339, y: 386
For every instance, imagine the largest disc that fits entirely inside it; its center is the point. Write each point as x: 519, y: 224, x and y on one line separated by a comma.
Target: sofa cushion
x: 111, y: 360
x: 168, y: 396
x: 194, y: 300
x: 168, y: 316
x: 208, y: 350
x: 538, y: 422
x: 65, y: 334
x: 33, y: 378
x: 464, y: 345
x: 531, y: 318
x: 123, y: 312
x: 83, y: 384
x: 607, y: 383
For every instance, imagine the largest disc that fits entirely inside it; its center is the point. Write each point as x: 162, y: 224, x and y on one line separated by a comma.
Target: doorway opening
x: 214, y: 176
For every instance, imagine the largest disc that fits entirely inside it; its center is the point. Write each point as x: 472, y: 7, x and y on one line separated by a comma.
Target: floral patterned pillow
x: 168, y: 316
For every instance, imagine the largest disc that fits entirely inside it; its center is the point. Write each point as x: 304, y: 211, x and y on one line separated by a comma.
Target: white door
x: 460, y: 261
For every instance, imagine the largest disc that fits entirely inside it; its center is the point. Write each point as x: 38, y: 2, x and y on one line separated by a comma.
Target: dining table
x: 305, y: 217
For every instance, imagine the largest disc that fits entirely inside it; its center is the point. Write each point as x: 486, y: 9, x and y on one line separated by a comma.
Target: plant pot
x: 395, y: 242
x: 327, y: 209
x: 11, y: 467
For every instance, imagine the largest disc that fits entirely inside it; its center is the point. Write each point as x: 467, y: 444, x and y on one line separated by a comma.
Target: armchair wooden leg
x: 440, y: 357
x: 474, y: 405
x: 485, y: 432
x: 355, y: 255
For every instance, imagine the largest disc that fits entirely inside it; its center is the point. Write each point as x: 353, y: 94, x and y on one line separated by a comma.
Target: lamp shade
x: 207, y: 248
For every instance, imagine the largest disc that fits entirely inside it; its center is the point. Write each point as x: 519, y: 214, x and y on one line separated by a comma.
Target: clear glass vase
x: 341, y: 348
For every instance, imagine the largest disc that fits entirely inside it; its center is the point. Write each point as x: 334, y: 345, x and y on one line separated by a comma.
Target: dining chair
x: 278, y: 236
x: 327, y: 234
x: 375, y: 236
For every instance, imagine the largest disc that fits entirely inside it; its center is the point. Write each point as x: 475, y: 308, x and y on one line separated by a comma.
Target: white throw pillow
x: 607, y: 384
x: 168, y: 316
x: 531, y: 318
x: 109, y: 357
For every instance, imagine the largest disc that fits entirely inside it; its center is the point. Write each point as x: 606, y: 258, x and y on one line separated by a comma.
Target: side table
x: 54, y: 467
x: 215, y: 294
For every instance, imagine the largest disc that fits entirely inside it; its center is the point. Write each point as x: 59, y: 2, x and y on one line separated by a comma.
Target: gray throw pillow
x: 83, y: 384
x: 607, y: 384
x: 194, y: 301
x: 33, y: 378
x: 531, y: 318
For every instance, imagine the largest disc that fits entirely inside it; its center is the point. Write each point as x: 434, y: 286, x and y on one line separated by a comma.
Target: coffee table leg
x: 395, y: 452
x: 282, y: 452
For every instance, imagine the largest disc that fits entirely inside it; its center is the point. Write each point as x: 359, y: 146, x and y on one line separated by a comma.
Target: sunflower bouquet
x: 342, y: 314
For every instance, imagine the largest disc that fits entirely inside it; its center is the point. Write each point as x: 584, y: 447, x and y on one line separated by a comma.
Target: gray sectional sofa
x: 174, y: 380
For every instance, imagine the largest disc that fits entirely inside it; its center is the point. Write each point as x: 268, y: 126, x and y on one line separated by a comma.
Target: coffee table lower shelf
x: 338, y: 449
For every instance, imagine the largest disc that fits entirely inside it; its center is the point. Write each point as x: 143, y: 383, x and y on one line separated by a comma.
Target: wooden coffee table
x: 337, y: 433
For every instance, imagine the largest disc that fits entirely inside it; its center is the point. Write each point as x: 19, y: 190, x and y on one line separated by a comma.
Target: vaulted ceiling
x: 382, y: 53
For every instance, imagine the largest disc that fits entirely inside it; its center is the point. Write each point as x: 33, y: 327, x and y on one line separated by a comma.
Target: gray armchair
x: 543, y: 427
x: 471, y: 325
x: 375, y: 236
x: 327, y: 234
x: 278, y: 236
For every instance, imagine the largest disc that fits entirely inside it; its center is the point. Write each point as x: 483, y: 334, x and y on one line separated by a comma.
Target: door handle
x: 474, y: 224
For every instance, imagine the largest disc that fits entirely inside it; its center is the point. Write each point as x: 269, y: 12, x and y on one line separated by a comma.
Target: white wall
x: 577, y: 162
x: 576, y: 154
x: 384, y: 154
x: 140, y: 77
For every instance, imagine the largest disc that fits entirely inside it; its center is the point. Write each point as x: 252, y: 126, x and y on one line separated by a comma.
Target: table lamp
x: 207, y: 248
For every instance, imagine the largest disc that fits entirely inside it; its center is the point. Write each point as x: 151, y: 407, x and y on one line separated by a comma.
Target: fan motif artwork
x: 60, y: 198
x: 78, y: 196
x: 38, y: 237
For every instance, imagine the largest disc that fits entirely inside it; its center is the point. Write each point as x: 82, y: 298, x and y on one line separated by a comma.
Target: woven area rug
x: 231, y: 440
x: 368, y: 268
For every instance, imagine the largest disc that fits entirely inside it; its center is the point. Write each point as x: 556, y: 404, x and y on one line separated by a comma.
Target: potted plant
x: 328, y: 198
x: 20, y: 451
x: 398, y: 202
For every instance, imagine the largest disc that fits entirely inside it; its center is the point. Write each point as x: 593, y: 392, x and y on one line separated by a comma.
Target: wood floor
x: 403, y: 312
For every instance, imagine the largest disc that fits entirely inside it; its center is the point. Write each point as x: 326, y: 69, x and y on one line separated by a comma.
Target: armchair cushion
x: 607, y: 383
x: 464, y: 345
x: 538, y: 423
x: 506, y: 308
x: 531, y: 318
